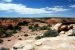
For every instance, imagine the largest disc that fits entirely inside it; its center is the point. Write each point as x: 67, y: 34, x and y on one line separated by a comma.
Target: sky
x: 37, y: 8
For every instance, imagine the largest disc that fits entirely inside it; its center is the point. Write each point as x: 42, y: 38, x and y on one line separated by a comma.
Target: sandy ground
x: 10, y: 41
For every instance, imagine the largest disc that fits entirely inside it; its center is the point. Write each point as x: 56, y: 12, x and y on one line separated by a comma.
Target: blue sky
x: 37, y: 8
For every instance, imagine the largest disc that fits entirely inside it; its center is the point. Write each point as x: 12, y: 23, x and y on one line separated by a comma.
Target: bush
x: 1, y: 41
x: 33, y: 27
x: 30, y: 27
x: 38, y: 37
x: 4, y: 49
x: 9, y: 31
x: 17, y: 28
x: 44, y: 28
x: 37, y: 27
x: 50, y: 33
x: 2, y: 32
x: 10, y: 27
x: 24, y: 23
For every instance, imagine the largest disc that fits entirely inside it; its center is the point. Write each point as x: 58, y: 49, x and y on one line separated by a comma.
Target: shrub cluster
x: 49, y: 33
x: 8, y: 30
x: 10, y: 27
x: 24, y: 23
x: 34, y: 27
x: 37, y: 27
x: 4, y: 48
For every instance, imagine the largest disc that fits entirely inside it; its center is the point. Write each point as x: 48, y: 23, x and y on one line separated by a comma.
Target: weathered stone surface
x: 63, y: 28
x: 69, y: 32
x: 23, y: 45
x: 52, y: 43
x: 70, y: 26
x: 56, y: 27
x: 62, y: 32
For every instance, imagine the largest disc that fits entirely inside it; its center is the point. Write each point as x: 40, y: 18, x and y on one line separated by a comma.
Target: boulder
x: 56, y: 26
x: 23, y: 45
x: 63, y: 28
x: 69, y: 32
x: 70, y: 27
x: 62, y: 32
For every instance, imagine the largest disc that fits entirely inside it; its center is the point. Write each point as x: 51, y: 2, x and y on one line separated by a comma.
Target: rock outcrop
x: 52, y: 43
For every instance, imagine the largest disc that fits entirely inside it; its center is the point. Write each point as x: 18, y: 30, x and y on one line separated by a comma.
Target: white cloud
x: 57, y: 9
x: 73, y: 6
x: 22, y: 9
x: 6, y: 0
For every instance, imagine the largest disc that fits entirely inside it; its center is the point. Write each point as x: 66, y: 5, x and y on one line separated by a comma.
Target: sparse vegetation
x: 34, y: 27
x: 6, y: 33
x: 49, y: 33
x: 17, y: 28
x: 44, y: 28
x: 38, y: 37
x: 37, y: 27
x: 4, y: 49
x: 24, y: 23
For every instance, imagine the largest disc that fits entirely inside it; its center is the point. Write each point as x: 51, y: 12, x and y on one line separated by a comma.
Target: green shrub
x: 33, y: 27
x: 7, y: 33
x: 17, y: 28
x: 49, y: 25
x: 30, y: 27
x: 10, y: 33
x: 4, y: 49
x: 37, y: 27
x: 24, y: 23
x: 44, y: 28
x: 10, y: 27
x: 38, y: 37
x: 1, y: 41
x: 50, y: 33
x: 2, y: 32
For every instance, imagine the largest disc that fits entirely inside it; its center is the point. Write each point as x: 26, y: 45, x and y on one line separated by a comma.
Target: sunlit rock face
x: 52, y: 43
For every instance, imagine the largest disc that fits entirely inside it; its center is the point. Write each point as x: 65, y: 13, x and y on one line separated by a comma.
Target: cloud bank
x: 22, y: 9
x: 8, y: 6
x: 6, y: 0
x: 73, y: 6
